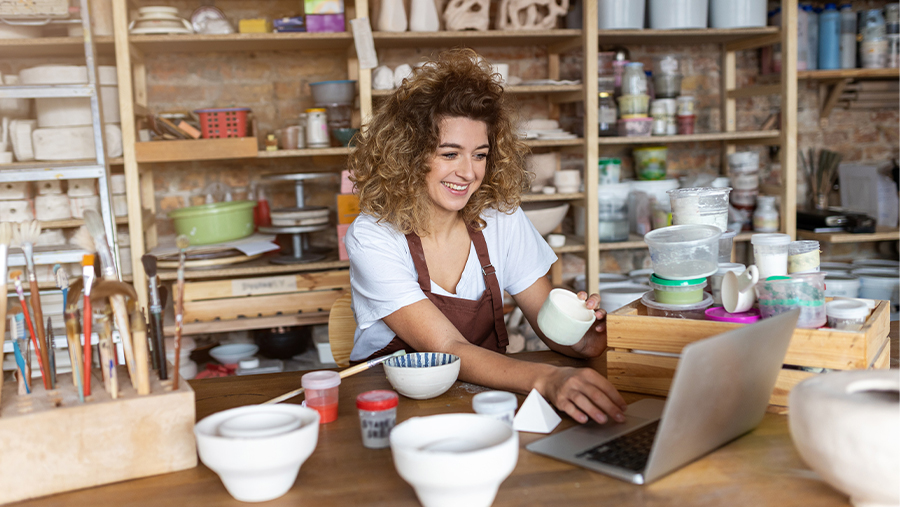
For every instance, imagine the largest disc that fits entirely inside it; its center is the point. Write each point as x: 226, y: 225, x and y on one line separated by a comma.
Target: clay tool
x: 17, y: 334
x: 6, y: 236
x: 28, y: 234
x: 182, y: 242
x: 51, y: 352
x: 141, y: 358
x: 87, y: 274
x: 73, y: 342
x: 94, y: 223
x: 17, y: 277
x: 156, y: 322
x: 107, y: 355
x: 353, y: 370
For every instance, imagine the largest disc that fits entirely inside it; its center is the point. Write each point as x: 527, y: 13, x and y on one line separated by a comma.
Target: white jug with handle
x: 738, y: 294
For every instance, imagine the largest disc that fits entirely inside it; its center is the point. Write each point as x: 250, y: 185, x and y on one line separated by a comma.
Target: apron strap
x: 418, y: 257
x: 490, y: 280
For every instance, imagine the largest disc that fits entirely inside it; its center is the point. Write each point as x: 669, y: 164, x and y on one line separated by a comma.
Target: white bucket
x: 613, y: 298
x: 841, y: 285
x: 737, y: 13
x: 620, y: 14
x: 881, y: 284
x: 677, y: 14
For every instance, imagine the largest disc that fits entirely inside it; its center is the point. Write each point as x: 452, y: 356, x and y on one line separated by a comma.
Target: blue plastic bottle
x: 830, y: 38
x: 813, y: 14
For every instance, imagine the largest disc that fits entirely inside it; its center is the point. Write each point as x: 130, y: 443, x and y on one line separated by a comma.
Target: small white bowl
x: 545, y: 215
x: 422, y: 375
x: 231, y: 353
x: 454, y: 459
x: 257, y: 469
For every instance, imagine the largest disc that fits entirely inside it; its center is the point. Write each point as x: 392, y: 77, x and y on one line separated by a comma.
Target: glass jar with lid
x: 634, y: 80
x: 607, y: 115
x: 765, y: 217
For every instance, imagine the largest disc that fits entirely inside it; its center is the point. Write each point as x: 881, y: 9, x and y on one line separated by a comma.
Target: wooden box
x: 196, y: 149
x: 264, y: 296
x: 659, y: 341
x: 51, y: 443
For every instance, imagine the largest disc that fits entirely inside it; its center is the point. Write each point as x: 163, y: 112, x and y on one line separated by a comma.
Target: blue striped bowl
x: 422, y: 375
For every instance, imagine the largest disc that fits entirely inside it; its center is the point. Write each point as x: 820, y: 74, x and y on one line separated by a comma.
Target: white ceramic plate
x: 557, y: 135
x: 158, y: 30
x: 157, y: 16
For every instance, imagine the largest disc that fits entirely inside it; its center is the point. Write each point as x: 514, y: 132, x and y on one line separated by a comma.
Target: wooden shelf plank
x: 761, y: 136
x: 683, y: 37
x: 307, y: 152
x: 824, y: 75
x: 476, y: 38
x: 225, y: 326
x: 881, y: 234
x: 516, y: 90
x: 535, y: 197
x: 259, y: 267
x: 634, y: 241
x: 196, y: 43
x: 574, y: 244
x: 52, y: 46
x: 85, y: 161
x: 550, y: 143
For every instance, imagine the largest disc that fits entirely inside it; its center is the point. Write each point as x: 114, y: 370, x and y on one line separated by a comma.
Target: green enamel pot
x: 216, y: 222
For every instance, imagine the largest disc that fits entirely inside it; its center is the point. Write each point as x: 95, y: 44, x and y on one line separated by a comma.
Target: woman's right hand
x: 583, y: 393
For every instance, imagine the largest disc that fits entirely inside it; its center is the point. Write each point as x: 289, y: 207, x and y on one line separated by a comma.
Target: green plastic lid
x: 777, y: 277
x: 675, y: 283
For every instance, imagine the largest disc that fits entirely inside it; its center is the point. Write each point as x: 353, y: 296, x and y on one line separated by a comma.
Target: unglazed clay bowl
x: 454, y: 459
x: 422, y: 375
x: 846, y: 427
x: 263, y: 462
x: 545, y: 215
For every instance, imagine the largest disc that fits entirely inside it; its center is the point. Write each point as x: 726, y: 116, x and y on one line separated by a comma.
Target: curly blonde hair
x: 392, y: 154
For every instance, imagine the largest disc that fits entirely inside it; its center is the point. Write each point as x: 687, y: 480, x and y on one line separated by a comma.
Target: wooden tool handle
x: 179, y: 326
x: 141, y: 353
x: 75, y: 352
x: 41, y: 332
x: 120, y: 314
x: 86, y: 330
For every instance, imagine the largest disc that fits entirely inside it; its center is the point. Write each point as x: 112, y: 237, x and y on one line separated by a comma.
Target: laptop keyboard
x: 630, y: 451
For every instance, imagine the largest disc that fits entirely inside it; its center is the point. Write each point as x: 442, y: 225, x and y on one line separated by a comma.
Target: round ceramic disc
x: 259, y: 424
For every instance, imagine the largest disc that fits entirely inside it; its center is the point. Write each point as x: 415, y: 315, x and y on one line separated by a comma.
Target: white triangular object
x: 536, y: 415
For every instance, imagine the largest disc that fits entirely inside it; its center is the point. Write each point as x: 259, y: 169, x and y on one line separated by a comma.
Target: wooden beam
x: 789, y: 113
x: 591, y: 146
x: 754, y: 43
x: 754, y: 91
x: 834, y: 93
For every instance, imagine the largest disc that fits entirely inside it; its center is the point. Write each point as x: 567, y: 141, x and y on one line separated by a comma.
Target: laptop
x: 720, y: 391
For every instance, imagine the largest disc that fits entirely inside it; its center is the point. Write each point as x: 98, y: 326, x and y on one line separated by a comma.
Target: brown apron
x: 480, y: 321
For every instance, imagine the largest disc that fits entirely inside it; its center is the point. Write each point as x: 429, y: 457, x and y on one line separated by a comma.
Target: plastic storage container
x: 718, y: 314
x: 846, y: 314
x: 620, y: 14
x: 700, y: 205
x: 803, y: 256
x: 612, y: 216
x: 695, y: 311
x: 737, y: 13
x: 227, y: 122
x: 377, y: 417
x: 806, y: 291
x: 499, y: 405
x: 634, y: 82
x: 881, y: 284
x: 714, y: 281
x: 635, y: 127
x: 726, y: 245
x: 677, y: 292
x: 770, y: 254
x: 650, y: 162
x: 684, y: 252
x: 766, y: 217
x: 215, y: 222
x: 676, y: 14
x: 613, y: 298
x: 322, y: 393
x: 835, y: 267
x: 633, y: 104
x: 841, y: 285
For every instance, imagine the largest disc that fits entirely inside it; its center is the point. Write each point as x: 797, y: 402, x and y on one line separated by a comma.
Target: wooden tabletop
x: 760, y: 468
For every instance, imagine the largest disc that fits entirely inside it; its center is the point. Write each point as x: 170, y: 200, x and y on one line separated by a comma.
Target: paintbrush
x: 87, y: 274
x: 51, y: 364
x: 17, y: 336
x: 28, y: 233
x: 94, y: 223
x: 156, y: 322
x: 182, y: 242
x: 17, y: 277
x: 353, y: 370
x: 74, y: 343
x: 62, y: 281
x: 141, y: 359
x: 107, y: 355
x: 6, y: 236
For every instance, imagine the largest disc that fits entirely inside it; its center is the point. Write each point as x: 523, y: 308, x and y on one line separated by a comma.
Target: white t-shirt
x: 384, y: 279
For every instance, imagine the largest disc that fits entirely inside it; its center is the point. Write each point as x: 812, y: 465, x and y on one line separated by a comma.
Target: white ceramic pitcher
x: 738, y: 294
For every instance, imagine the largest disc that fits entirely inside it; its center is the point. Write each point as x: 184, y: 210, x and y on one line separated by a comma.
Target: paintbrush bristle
x: 182, y: 242
x: 15, y: 274
x: 104, y: 289
x: 74, y: 294
x: 62, y: 277
x: 149, y: 262
x: 83, y: 239
x: 27, y: 232
x: 87, y: 260
x: 94, y: 223
x: 6, y: 233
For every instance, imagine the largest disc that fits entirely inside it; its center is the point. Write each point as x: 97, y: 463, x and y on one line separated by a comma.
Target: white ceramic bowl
x: 422, y: 375
x: 545, y: 215
x: 454, y: 459
x: 845, y: 427
x: 231, y: 353
x: 261, y: 468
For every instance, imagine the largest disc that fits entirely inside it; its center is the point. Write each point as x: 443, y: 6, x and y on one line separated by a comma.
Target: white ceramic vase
x: 845, y: 427
x: 392, y: 17
x: 423, y: 16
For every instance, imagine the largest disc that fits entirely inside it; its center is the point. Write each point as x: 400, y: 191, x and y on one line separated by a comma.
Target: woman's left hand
x: 593, y: 343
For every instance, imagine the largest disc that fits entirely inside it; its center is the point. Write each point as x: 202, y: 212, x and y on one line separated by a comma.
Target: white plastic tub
x: 676, y: 14
x: 684, y: 252
x: 737, y: 13
x: 694, y: 311
x: 613, y: 298
x: 620, y: 14
x: 841, y: 285
x: 846, y: 314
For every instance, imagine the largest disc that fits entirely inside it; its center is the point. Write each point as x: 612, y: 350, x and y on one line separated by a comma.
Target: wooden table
x: 761, y: 468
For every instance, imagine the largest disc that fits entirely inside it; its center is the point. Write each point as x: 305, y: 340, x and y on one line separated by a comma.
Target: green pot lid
x: 675, y: 283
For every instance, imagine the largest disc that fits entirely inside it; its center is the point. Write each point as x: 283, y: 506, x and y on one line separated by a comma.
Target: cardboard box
x: 325, y: 23
x: 346, y: 184
x: 347, y: 208
x: 342, y: 248
x: 323, y: 6
x: 258, y: 25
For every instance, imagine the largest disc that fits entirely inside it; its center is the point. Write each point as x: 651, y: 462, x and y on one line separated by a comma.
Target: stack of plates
x: 155, y: 20
x: 543, y: 128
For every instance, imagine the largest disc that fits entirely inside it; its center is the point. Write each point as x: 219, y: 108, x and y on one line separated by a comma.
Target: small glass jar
x: 770, y: 254
x: 634, y: 80
x: 803, y: 256
x: 607, y: 115
x: 766, y: 218
x: 846, y: 314
x: 322, y: 393
x: 660, y: 118
x: 377, y: 417
x: 498, y: 405
x: 610, y: 170
x: 316, y: 128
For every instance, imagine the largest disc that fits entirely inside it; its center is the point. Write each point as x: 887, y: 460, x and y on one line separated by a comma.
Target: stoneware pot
x: 846, y: 427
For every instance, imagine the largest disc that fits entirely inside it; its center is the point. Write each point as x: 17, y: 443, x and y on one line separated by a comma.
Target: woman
x: 439, y: 171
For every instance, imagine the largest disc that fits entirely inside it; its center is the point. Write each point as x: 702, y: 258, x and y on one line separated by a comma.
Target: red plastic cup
x: 686, y: 124
x: 322, y: 393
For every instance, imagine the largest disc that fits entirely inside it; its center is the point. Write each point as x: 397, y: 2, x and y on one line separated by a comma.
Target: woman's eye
x: 481, y: 156
x: 449, y: 155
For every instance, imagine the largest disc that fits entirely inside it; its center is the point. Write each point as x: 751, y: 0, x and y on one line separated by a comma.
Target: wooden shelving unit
x: 748, y: 137
x: 881, y: 234
x: 53, y: 46
x: 833, y: 83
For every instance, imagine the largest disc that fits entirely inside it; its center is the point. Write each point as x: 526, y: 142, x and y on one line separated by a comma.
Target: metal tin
x: 316, y: 128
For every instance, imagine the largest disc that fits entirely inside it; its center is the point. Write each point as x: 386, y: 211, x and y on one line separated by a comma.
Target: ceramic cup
x: 502, y: 69
x: 564, y: 318
x: 737, y: 290
x: 567, y: 181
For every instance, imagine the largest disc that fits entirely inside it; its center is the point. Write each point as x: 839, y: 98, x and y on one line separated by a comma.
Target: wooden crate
x: 630, y: 331
x: 264, y: 296
x: 196, y: 149
x: 51, y: 443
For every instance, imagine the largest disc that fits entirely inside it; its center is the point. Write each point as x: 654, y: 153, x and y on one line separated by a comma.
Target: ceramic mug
x: 502, y: 69
x: 564, y: 318
x: 737, y: 290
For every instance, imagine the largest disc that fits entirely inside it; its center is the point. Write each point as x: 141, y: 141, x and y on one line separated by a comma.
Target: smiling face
x: 458, y: 165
